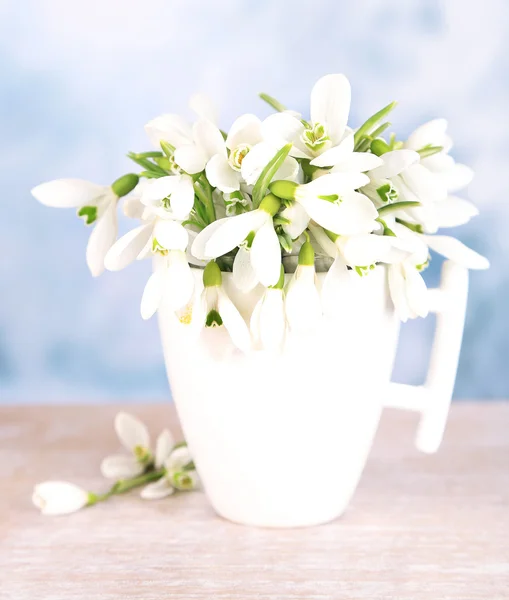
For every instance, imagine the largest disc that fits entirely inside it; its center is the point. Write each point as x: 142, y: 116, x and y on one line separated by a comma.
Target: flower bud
x: 125, y: 184
x: 379, y: 146
x: 307, y: 255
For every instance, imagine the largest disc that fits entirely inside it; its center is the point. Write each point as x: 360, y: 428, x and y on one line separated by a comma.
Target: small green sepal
x: 125, y: 184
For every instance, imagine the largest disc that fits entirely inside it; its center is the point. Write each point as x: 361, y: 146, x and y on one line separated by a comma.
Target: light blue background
x: 80, y: 79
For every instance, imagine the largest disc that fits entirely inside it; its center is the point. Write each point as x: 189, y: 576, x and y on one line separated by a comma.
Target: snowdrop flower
x: 97, y: 204
x: 227, y: 163
x: 454, y: 250
x: 268, y: 321
x: 135, y: 437
x: 176, y: 130
x: 260, y: 254
x: 59, y: 497
x: 326, y: 141
x: 332, y: 202
x: 214, y: 309
x: 179, y: 472
x: 302, y: 304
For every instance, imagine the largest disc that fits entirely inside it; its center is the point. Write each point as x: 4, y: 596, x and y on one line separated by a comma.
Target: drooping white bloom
x: 59, y: 497
x: 456, y: 251
x: 264, y: 250
x: 268, y: 320
x: 332, y: 202
x: 96, y: 203
x: 326, y: 140
x: 228, y: 163
x: 179, y: 472
x: 214, y: 309
x: 135, y: 438
x: 302, y: 301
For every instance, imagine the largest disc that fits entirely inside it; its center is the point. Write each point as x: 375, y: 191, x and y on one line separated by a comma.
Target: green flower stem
x: 412, y: 226
x: 124, y: 485
x: 275, y: 104
x: 388, y: 208
x: 204, y: 192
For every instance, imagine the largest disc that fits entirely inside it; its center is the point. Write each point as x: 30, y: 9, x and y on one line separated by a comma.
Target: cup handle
x: 433, y: 399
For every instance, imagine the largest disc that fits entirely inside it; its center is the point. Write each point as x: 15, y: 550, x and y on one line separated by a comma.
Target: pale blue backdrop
x: 79, y: 80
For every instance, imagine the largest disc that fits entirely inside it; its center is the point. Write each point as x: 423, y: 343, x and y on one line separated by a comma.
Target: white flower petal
x: 171, y: 235
x: 179, y: 281
x: 182, y: 198
x: 131, y: 431
x: 178, y: 459
x: 190, y: 158
x: 152, y: 294
x: 102, y: 239
x: 365, y: 249
x: 337, y: 154
x: 59, y: 497
x: 334, y: 183
x: 426, y: 185
x: 282, y: 128
x: 454, y: 211
x: 266, y: 254
x: 323, y: 240
x: 416, y: 292
x: 298, y: 218
x: 170, y: 128
x: 258, y: 158
x: 164, y: 445
x: 330, y: 104
x: 125, y: 250
x: 221, y: 175
x: 358, y: 162
x: 302, y: 303
x: 233, y: 322
x: 431, y: 133
x: 395, y: 162
x: 233, y: 231
x: 244, y: 276
x: 201, y: 240
x: 397, y: 289
x: 133, y: 208
x: 247, y: 129
x: 203, y: 106
x: 456, y: 251
x: 68, y: 193
x: 457, y: 177
x: 208, y: 138
x: 335, y: 282
x: 157, y: 189
x: 157, y: 490
x: 120, y: 466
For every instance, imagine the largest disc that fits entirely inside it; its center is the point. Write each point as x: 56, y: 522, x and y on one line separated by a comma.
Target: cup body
x: 281, y: 440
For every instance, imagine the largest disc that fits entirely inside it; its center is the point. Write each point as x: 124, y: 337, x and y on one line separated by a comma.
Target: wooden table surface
x: 431, y: 527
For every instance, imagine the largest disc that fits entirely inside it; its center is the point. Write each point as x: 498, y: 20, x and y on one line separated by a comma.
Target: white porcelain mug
x: 281, y: 441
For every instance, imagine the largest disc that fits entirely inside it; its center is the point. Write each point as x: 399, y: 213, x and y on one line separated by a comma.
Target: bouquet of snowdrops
x: 290, y: 194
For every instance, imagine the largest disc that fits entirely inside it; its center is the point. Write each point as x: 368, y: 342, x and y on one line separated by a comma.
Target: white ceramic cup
x: 281, y: 441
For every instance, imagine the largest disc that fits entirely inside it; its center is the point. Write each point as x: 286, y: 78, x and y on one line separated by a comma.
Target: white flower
x: 302, y: 302
x: 59, y: 497
x: 264, y: 252
x: 326, y: 141
x: 214, y: 309
x: 175, y: 129
x: 135, y: 437
x: 332, y: 202
x: 456, y: 251
x: 227, y: 163
x: 96, y: 203
x: 179, y: 472
x: 268, y: 320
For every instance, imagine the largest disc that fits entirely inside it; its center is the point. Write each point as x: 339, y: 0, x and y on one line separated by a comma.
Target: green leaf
x: 412, y: 226
x: 275, y: 104
x: 146, y: 163
x: 429, y: 150
x: 379, y: 130
x: 368, y: 125
x: 268, y: 173
x: 286, y: 241
x: 397, y: 206
x: 167, y: 148
x: 152, y: 174
x: 89, y: 213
